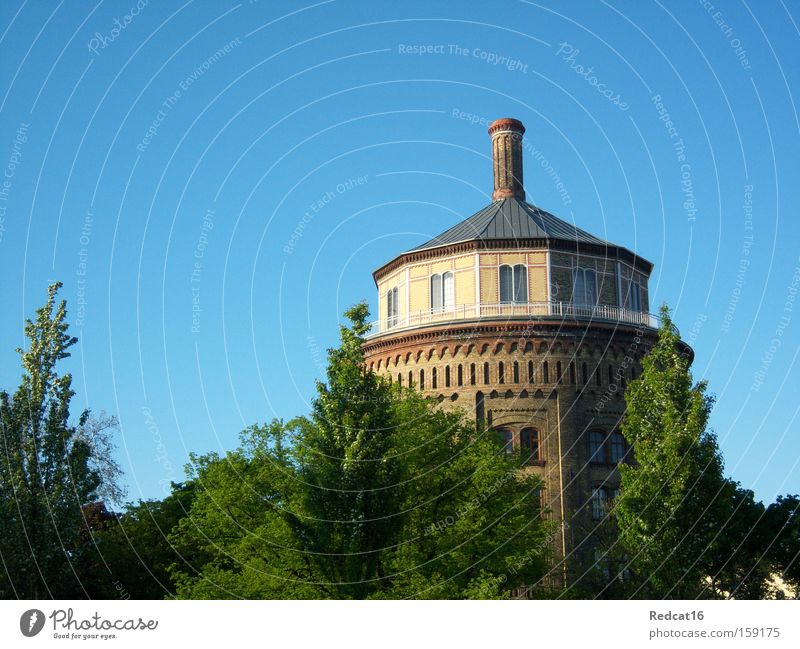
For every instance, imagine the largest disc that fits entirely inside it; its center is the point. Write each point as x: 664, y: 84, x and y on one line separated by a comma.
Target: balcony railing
x: 516, y: 311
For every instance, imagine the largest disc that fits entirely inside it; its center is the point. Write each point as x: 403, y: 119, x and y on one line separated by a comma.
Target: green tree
x: 672, y: 503
x: 377, y: 494
x: 128, y: 555
x: 49, y: 468
x: 782, y: 532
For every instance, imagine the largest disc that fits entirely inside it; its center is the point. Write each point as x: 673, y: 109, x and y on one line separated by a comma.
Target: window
x: 572, y: 372
x: 442, y: 291
x: 596, y: 447
x: 617, y: 448
x: 392, y: 307
x: 399, y: 379
x: 501, y: 372
x: 558, y: 371
x: 585, y: 291
x: 486, y: 373
x: 531, y: 376
x: 529, y: 443
x: 611, y: 375
x: 422, y: 379
x: 447, y: 376
x: 507, y: 437
x: 545, y: 372
x: 516, y: 372
x: 599, y: 498
x: 597, y: 378
x: 410, y: 379
x: 472, y: 379
x: 433, y: 378
x: 635, y: 297
x: 584, y: 374
x: 460, y: 375
x: 513, y: 284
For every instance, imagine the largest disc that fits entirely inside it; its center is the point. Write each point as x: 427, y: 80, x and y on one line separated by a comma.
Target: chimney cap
x: 506, y: 124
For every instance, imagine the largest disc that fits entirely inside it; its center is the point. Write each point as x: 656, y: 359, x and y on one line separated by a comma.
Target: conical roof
x: 511, y: 219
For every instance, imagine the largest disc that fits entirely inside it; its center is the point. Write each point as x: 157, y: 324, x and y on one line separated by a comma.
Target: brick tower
x: 533, y: 327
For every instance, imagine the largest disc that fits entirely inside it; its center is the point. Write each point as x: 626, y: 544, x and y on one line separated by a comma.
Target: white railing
x: 511, y: 310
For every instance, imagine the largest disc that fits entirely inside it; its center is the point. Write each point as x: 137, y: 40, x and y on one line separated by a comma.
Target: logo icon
x: 31, y: 622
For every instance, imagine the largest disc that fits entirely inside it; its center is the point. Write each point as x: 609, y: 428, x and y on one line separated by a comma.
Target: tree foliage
x: 378, y: 493
x: 49, y: 468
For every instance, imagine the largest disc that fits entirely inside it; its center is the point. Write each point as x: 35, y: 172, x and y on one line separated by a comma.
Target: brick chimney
x: 506, y: 135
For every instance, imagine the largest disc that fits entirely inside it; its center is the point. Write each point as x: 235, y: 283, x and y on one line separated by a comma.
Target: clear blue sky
x: 202, y: 133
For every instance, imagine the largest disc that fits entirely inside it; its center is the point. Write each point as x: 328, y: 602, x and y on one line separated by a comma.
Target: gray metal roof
x: 511, y: 218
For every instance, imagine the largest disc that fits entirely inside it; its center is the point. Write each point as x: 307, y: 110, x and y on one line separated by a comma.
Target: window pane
x: 506, y: 283
x: 507, y: 437
x: 636, y: 297
x: 591, y: 286
x: 579, y: 292
x: 520, y: 283
x: 449, y: 299
x: 529, y: 441
x: 617, y: 447
x: 598, y: 503
x: 436, y: 292
x: 596, y: 447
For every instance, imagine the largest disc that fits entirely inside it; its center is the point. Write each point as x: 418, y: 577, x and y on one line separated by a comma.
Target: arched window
x: 513, y: 284
x: 597, y: 378
x: 442, y: 295
x: 447, y: 376
x: 472, y: 378
x: 585, y: 291
x: 572, y: 373
x: 529, y: 444
x: 460, y: 376
x: 516, y: 372
x: 486, y: 373
x: 617, y: 448
x: 507, y: 438
x: 558, y: 372
x: 422, y: 379
x: 501, y: 372
x: 392, y: 307
x: 399, y: 379
x: 433, y: 378
x: 597, y: 451
x: 610, y: 374
x: 410, y: 379
x: 584, y: 374
x: 531, y: 376
x: 545, y: 372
